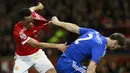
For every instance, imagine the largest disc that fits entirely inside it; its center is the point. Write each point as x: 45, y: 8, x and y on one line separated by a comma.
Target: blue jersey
x: 90, y: 43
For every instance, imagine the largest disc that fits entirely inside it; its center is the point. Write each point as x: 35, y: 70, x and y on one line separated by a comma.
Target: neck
x: 23, y: 25
x: 109, y: 41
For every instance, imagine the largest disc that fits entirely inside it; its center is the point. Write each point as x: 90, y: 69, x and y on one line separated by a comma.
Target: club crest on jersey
x: 23, y: 36
x: 16, y: 67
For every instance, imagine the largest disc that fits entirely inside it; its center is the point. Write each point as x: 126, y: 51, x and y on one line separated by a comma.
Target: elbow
x: 36, y: 45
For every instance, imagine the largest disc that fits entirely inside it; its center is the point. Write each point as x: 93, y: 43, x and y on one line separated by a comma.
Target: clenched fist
x: 54, y: 20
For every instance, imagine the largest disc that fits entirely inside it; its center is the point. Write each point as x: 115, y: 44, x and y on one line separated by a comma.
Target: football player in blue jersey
x: 90, y: 42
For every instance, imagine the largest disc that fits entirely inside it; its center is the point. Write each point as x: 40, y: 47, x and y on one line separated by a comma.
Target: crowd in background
x: 106, y: 16
x: 114, y: 66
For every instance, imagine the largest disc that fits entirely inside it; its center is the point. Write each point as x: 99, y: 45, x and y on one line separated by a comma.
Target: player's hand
x: 62, y: 47
x: 54, y: 20
x: 40, y: 5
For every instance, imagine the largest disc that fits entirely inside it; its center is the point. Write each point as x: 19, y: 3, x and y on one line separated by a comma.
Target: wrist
x: 58, y: 23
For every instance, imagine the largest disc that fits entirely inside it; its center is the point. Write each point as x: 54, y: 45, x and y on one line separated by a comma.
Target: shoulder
x: 17, y: 28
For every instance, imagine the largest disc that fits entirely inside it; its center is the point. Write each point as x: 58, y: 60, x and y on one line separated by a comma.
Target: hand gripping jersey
x: 22, y: 35
x: 90, y: 43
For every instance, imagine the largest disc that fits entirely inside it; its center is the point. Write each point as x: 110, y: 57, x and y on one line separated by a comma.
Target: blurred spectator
x: 4, y: 67
x: 112, y: 65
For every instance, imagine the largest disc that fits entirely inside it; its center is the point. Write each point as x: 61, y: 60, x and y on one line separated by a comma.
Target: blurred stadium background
x: 106, y: 16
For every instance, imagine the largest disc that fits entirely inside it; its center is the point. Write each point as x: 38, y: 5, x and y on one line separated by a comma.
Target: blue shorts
x: 67, y: 65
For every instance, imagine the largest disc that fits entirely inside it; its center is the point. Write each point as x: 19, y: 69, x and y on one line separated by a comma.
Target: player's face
x: 28, y: 22
x: 115, y: 45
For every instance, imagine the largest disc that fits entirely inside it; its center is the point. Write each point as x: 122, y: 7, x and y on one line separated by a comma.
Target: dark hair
x: 119, y: 37
x: 24, y: 12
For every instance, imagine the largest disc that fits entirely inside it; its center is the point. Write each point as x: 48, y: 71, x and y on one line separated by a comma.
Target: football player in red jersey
x: 28, y: 46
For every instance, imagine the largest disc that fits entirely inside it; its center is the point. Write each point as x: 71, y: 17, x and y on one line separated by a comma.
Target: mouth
x: 31, y: 26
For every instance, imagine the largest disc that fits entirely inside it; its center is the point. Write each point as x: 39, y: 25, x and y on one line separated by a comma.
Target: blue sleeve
x: 84, y: 30
x: 96, y: 54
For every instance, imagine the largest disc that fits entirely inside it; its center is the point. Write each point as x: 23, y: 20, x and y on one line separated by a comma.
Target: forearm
x: 34, y: 43
x: 92, y: 67
x: 38, y: 7
x: 69, y: 26
x: 42, y: 45
x: 46, y: 45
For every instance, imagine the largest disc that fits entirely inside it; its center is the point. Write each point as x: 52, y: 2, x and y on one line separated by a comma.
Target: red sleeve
x: 37, y: 16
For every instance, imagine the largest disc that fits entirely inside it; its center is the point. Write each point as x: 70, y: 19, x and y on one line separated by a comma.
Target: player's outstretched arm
x: 68, y: 26
x: 38, y: 7
x: 42, y: 45
x: 91, y: 67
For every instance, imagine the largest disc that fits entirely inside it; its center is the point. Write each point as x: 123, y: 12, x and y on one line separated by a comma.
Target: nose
x: 31, y: 24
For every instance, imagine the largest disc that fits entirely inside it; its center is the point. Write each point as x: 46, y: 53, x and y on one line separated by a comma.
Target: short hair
x: 24, y: 12
x: 119, y: 37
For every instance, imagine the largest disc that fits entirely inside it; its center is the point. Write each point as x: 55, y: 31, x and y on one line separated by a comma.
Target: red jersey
x: 22, y: 35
